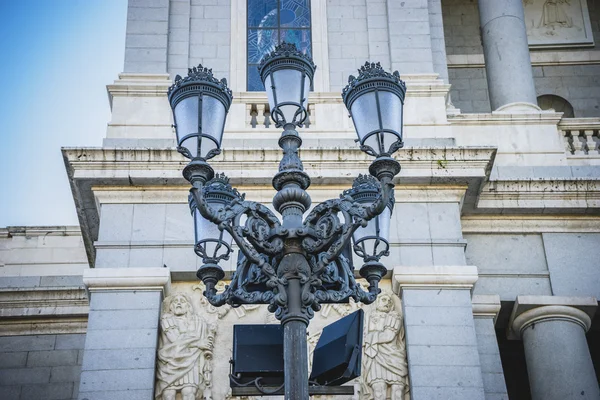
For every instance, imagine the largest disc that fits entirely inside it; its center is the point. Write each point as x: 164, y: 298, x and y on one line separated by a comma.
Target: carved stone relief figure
x: 185, y: 356
x: 553, y: 14
x: 384, y: 358
x: 223, y: 310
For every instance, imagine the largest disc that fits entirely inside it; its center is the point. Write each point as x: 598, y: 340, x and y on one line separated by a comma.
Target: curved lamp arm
x: 227, y: 218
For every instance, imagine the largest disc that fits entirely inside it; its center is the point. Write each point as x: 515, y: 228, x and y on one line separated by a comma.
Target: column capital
x: 486, y: 306
x: 139, y: 279
x: 531, y: 309
x: 434, y: 277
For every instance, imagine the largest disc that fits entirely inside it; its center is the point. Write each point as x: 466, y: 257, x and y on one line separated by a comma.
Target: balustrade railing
x: 258, y: 116
x: 581, y: 136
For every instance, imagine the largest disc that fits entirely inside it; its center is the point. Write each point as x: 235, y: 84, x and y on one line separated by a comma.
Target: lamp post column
x: 506, y: 53
x: 291, y: 201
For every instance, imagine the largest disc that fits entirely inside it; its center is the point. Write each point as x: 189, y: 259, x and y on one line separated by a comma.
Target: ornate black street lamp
x: 293, y: 265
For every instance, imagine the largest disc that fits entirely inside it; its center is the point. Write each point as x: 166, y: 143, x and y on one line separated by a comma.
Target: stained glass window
x: 271, y: 22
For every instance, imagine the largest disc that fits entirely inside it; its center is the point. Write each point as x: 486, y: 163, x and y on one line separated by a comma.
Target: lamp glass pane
x: 206, y: 230
x: 186, y: 117
x: 384, y: 223
x: 391, y: 111
x: 364, y: 114
x: 191, y: 143
x: 288, y: 86
x: 213, y: 118
x: 269, y: 89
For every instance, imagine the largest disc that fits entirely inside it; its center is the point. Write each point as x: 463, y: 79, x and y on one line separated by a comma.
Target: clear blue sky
x: 56, y: 58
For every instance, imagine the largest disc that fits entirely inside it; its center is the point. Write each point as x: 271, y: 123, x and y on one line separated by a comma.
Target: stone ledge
x: 43, y: 311
x: 486, y: 306
x: 530, y: 309
x: 434, y: 277
x: 141, y: 279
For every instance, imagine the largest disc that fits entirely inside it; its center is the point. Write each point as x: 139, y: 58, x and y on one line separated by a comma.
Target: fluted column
x: 558, y: 358
x: 506, y: 52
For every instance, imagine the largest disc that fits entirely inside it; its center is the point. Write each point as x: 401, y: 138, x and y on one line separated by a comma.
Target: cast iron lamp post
x: 293, y: 265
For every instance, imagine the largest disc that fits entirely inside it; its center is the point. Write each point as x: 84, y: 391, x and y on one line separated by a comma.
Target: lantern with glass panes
x: 293, y: 264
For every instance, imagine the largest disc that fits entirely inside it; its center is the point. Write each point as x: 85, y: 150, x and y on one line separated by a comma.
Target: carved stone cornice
x: 140, y: 168
x: 139, y: 279
x: 434, y: 277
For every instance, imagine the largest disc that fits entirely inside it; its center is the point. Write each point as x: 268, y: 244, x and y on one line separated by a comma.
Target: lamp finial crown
x: 200, y: 74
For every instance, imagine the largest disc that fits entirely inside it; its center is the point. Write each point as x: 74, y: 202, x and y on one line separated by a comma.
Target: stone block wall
x: 509, y: 264
x: 348, y: 39
x: 469, y: 89
x: 146, y: 36
x: 44, y: 367
x: 578, y: 84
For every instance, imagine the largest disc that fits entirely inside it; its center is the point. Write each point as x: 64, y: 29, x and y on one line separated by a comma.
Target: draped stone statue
x: 185, y: 357
x: 384, y: 357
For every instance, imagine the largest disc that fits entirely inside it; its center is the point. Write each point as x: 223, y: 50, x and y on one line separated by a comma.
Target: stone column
x: 558, y: 358
x: 441, y: 342
x: 119, y: 359
x: 485, y: 312
x: 506, y: 52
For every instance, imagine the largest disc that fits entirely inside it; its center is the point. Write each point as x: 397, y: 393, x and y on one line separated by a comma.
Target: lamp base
x: 198, y: 170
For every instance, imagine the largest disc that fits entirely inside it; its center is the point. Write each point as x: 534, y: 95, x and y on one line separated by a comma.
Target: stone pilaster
x: 120, y: 347
x: 441, y: 340
x: 146, y: 36
x: 558, y: 358
x: 485, y: 312
x: 506, y: 53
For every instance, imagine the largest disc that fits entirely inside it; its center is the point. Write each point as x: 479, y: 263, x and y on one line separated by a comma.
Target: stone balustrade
x: 581, y: 136
x: 258, y: 116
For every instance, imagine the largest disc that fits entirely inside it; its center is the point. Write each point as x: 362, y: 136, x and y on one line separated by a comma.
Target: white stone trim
x: 538, y: 59
x: 504, y: 118
x: 434, y: 277
x: 320, y: 44
x: 534, y: 309
x: 32, y: 231
x: 520, y: 107
x: 238, y: 46
x: 486, y: 306
x: 139, y: 85
x: 530, y: 224
x: 43, y: 326
x: 111, y: 279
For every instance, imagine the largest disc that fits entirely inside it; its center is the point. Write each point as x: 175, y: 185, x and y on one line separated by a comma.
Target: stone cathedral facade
x: 494, y: 272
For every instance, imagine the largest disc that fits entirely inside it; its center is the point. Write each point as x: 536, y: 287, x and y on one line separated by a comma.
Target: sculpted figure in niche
x: 185, y: 355
x: 384, y: 357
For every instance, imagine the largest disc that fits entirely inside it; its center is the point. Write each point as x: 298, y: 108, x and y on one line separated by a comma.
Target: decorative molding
x: 37, y: 311
x: 506, y: 118
x: 543, y: 195
x: 528, y: 310
x: 486, y: 306
x: 139, y: 85
x: 43, y: 326
x: 434, y: 277
x: 139, y: 279
x: 33, y: 231
x: 529, y: 224
x: 538, y: 59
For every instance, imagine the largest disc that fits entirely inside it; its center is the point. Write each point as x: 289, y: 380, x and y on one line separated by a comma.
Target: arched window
x: 556, y: 103
x: 271, y: 22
